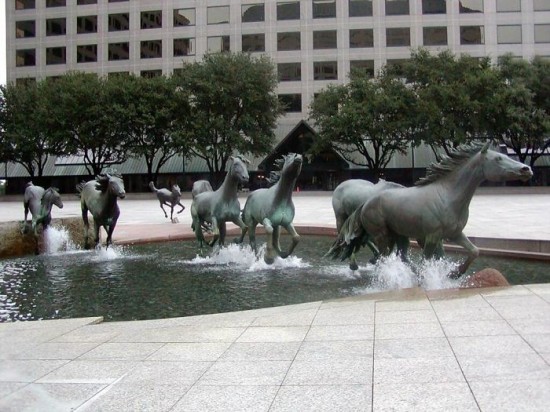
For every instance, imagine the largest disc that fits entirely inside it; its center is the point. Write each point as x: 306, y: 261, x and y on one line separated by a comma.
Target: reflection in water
x: 171, y: 279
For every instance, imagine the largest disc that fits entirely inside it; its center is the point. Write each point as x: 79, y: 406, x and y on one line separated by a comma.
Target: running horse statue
x: 214, y: 208
x: 99, y: 197
x: 200, y: 186
x: 273, y: 207
x: 168, y: 198
x: 39, y: 202
x: 434, y: 210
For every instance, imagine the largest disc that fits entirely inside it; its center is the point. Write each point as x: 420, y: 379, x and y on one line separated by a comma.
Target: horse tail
x: 79, y: 188
x: 152, y: 187
x: 352, y: 236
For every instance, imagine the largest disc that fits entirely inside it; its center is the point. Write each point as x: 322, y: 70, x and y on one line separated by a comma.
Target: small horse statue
x: 39, y: 202
x: 273, y: 208
x: 346, y: 198
x: 168, y: 198
x: 435, y: 209
x: 100, y: 197
x: 220, y: 206
x: 201, y: 186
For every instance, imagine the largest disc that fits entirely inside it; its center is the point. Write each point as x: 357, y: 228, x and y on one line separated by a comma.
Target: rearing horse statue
x: 220, y: 206
x: 273, y: 208
x: 100, y: 197
x: 434, y: 210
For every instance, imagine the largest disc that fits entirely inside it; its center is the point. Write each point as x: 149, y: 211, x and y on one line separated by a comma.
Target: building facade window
x: 396, y: 66
x: 363, y: 66
x: 541, y: 5
x: 435, y: 36
x: 361, y: 38
x: 185, y: 17
x: 119, y: 22
x: 324, y: 9
x: 504, y: 6
x: 397, y: 7
x: 252, y: 13
x: 288, y: 10
x: 86, y: 53
x: 55, y: 3
x: 291, y: 103
x: 470, y: 6
x: 217, y: 15
x: 253, y: 42
x: 25, y: 81
x: 56, y: 55
x: 25, y: 28
x: 542, y: 33
x: 86, y: 24
x: 119, y: 51
x: 151, y: 49
x: 325, y: 70
x: 398, y: 37
x: 289, y: 72
x: 288, y: 41
x: 151, y: 19
x: 434, y: 6
x: 509, y: 34
x: 360, y: 8
x: 25, y: 57
x: 217, y: 44
x: 24, y: 4
x: 85, y: 2
x: 56, y: 27
x: 472, y: 35
x: 117, y: 1
x: 150, y: 73
x: 184, y: 47
x: 325, y: 39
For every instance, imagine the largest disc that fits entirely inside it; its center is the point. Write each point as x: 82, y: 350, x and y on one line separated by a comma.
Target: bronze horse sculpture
x: 170, y: 198
x: 39, y: 202
x: 273, y: 208
x: 99, y: 197
x: 434, y: 210
x: 200, y: 186
x: 346, y: 198
x: 215, y: 208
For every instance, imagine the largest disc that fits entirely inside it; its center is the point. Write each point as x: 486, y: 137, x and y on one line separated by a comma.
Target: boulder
x: 485, y: 278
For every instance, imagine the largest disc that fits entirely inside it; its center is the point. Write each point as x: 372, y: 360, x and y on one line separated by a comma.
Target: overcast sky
x: 2, y: 41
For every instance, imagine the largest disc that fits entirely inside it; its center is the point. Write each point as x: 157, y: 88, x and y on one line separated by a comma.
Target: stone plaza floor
x: 405, y: 350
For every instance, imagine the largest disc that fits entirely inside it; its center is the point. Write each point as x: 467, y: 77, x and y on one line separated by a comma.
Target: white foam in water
x: 110, y: 253
x: 57, y: 240
x: 242, y: 256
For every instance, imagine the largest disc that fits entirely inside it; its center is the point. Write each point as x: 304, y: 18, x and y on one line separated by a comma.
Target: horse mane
x: 456, y: 158
x: 102, y: 180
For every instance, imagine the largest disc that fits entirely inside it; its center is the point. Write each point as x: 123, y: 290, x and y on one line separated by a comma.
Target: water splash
x: 58, y: 239
x: 244, y: 258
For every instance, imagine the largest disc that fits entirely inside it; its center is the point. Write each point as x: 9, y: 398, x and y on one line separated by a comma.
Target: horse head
x: 113, y: 184
x: 292, y: 164
x: 239, y: 169
x: 500, y: 168
x: 52, y: 197
x: 176, y: 191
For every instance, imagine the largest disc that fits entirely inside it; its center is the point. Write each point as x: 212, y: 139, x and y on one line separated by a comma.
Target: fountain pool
x: 162, y: 280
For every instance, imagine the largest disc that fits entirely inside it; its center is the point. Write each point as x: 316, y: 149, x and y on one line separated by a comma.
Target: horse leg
x: 215, y: 232
x: 97, y: 227
x: 252, y: 236
x: 223, y: 231
x: 162, y: 207
x: 270, y: 253
x: 244, y: 228
x: 402, y: 243
x: 473, y: 253
x: 295, y: 240
x: 86, y: 227
x: 182, y: 207
x: 110, y: 231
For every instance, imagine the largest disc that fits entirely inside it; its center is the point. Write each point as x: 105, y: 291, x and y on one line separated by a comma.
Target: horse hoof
x: 353, y: 266
x: 269, y: 260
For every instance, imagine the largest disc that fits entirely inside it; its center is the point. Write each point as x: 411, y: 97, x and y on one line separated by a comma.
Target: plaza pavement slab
x: 484, y: 349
